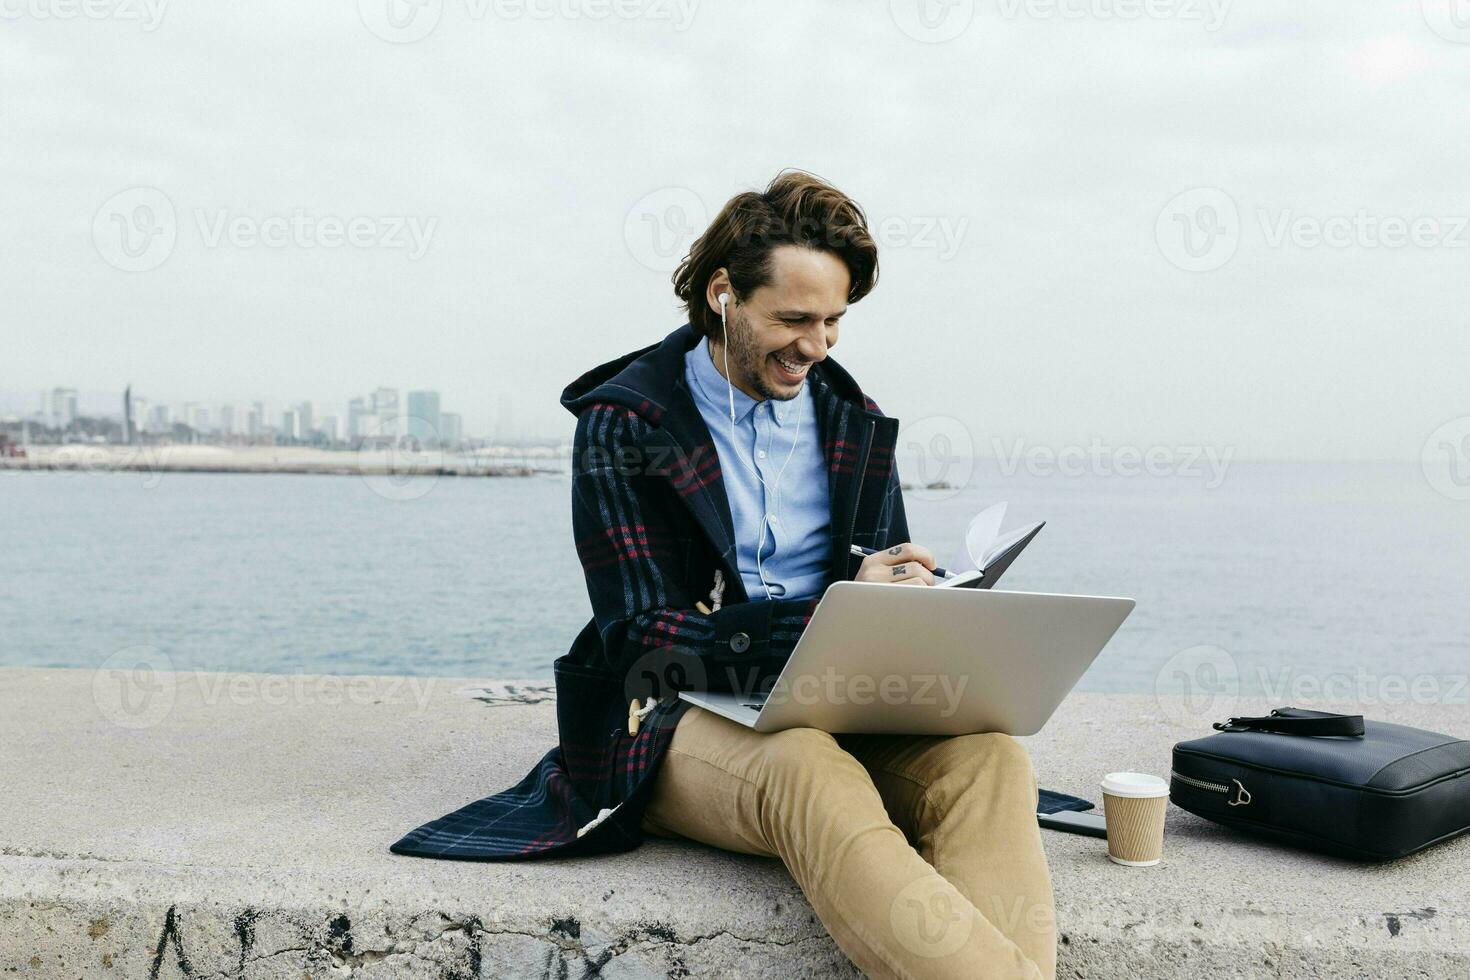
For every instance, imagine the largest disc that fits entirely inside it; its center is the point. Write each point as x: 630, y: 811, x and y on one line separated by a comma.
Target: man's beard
x: 747, y: 363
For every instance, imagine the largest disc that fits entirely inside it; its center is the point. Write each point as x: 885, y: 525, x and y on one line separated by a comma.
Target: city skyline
x: 382, y: 413
x: 28, y: 402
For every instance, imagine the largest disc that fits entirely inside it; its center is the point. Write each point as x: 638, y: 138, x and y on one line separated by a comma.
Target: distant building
x: 385, y: 407
x: 330, y: 426
x: 63, y: 407
x: 195, y: 416
x: 370, y: 426
x: 140, y: 415
x: 423, y: 417
x: 307, y: 413
x: 255, y: 424
x: 129, y: 430
x: 160, y: 419
x: 228, y: 420
x: 291, y: 424
x: 451, y: 429
x: 385, y: 401
x: 356, y: 409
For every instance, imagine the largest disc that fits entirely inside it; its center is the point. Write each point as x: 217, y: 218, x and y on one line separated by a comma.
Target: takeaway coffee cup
x: 1133, y: 806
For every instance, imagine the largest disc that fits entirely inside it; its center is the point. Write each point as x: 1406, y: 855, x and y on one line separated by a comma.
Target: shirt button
x: 760, y: 454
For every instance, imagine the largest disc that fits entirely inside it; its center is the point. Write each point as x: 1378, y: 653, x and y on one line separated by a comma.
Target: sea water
x: 1297, y: 580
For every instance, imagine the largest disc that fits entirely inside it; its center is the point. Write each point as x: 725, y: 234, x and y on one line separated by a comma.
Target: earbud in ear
x: 724, y: 299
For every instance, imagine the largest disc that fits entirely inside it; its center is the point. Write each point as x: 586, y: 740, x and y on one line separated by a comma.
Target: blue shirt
x: 795, y: 555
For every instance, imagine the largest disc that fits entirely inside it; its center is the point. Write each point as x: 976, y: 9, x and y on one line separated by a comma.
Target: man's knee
x: 985, y: 773
x: 1006, y: 751
x: 797, y: 746
x: 993, y: 749
x: 993, y: 757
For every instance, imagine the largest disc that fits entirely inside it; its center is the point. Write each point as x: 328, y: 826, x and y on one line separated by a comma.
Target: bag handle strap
x: 1296, y: 721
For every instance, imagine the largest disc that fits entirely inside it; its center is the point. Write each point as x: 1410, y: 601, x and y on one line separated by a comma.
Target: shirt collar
x: 712, y: 384
x: 784, y: 413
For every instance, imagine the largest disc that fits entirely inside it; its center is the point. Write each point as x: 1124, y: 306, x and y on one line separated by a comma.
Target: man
x: 719, y: 480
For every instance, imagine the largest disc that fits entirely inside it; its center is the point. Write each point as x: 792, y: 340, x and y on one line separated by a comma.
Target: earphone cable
x: 775, y: 493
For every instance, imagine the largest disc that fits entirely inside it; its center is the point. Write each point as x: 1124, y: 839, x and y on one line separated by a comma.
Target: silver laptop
x: 899, y: 659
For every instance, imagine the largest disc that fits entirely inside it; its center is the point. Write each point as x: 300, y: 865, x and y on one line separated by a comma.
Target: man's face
x: 787, y: 325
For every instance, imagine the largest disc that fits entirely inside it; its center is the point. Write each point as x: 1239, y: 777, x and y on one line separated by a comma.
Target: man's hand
x: 903, y: 564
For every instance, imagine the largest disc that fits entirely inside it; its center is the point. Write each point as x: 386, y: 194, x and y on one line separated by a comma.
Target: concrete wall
x: 218, y: 825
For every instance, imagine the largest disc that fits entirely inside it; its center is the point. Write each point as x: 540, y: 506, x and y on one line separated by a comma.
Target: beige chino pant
x: 921, y: 855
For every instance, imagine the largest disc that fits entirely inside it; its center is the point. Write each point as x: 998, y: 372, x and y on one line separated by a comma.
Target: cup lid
x: 1139, y: 784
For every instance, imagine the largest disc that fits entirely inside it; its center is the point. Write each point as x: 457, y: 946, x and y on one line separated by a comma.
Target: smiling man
x: 719, y: 479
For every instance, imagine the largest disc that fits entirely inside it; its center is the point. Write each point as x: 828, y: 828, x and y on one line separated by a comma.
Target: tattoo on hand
x: 899, y: 570
x: 895, y: 549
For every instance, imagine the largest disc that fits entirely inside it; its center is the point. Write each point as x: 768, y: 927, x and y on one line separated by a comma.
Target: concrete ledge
x: 237, y: 826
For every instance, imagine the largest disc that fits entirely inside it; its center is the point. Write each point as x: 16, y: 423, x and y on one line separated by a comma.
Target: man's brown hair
x: 796, y: 209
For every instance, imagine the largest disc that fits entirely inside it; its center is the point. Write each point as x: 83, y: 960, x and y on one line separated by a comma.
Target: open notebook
x: 987, y: 551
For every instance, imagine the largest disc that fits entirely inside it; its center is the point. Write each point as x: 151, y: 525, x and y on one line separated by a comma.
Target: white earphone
x: 773, y: 492
x: 725, y: 345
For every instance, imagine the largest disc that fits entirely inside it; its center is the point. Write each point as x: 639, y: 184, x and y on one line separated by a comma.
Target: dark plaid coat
x: 652, y: 524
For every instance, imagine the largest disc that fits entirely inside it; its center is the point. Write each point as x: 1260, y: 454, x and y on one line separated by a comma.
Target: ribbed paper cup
x: 1133, y: 806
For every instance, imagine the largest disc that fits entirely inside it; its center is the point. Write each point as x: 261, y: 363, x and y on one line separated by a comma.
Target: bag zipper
x: 1242, y: 795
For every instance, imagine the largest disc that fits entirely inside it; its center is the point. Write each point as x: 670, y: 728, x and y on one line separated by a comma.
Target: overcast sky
x: 1096, y: 216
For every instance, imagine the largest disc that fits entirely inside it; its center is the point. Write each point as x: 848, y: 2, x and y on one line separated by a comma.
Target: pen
x: 862, y: 552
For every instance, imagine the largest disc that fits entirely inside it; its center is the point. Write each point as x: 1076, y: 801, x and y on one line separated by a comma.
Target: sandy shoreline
x: 273, y: 459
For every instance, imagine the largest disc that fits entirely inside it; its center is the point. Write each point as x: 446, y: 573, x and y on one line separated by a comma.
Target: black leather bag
x: 1368, y: 790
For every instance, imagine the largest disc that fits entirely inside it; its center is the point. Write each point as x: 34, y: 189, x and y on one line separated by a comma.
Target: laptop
x: 880, y: 658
